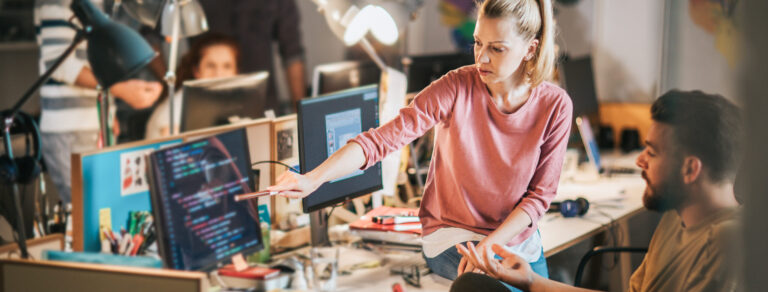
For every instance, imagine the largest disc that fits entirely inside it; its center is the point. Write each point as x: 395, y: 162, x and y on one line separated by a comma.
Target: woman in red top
x: 500, y: 137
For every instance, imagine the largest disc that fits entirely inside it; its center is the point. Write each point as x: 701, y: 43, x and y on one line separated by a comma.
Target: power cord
x: 275, y: 162
x: 328, y: 216
x: 614, y: 233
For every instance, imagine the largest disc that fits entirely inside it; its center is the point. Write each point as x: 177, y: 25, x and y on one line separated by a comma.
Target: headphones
x: 26, y: 168
x: 571, y: 208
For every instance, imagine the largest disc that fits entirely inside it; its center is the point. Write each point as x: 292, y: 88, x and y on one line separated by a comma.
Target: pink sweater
x: 485, y: 163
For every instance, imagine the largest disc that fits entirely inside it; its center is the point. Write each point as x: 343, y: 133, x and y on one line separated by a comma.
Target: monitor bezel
x: 302, y: 150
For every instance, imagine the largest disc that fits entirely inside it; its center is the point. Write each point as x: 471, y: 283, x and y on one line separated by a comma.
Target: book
x: 259, y: 273
x: 391, y: 219
x: 402, y: 238
x: 366, y: 221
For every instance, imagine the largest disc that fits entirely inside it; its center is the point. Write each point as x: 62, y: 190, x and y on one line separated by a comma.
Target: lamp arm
x: 170, y: 76
x: 79, y: 37
x: 372, y: 53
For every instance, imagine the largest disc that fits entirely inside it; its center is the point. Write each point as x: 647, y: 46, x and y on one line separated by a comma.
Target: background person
x: 211, y: 56
x: 69, y: 120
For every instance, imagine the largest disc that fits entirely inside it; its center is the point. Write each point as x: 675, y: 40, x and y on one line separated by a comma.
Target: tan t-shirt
x: 696, y: 258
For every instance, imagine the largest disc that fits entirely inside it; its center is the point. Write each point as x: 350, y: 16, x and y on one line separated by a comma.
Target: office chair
x: 601, y: 250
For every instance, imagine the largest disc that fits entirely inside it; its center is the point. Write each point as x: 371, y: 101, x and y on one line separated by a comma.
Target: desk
x: 623, y: 193
x: 558, y: 233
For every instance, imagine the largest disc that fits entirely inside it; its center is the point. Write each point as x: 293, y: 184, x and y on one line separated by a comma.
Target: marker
x: 249, y: 196
x: 389, y: 219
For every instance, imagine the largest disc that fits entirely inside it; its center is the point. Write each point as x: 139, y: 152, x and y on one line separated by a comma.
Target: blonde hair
x: 534, y: 21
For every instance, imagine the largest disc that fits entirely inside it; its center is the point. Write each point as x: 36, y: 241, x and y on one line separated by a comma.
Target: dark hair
x: 707, y: 126
x: 192, y: 58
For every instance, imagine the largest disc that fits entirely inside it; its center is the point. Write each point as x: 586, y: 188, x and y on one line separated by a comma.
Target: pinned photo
x: 133, y: 172
x: 284, y: 144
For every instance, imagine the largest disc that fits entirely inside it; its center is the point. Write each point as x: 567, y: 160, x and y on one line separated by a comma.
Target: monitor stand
x: 318, y: 223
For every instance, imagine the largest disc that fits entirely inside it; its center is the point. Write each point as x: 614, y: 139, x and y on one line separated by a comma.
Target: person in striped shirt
x: 69, y: 119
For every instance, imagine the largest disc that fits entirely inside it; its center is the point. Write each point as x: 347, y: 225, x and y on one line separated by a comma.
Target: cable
x: 328, y: 216
x: 615, y: 234
x: 276, y: 162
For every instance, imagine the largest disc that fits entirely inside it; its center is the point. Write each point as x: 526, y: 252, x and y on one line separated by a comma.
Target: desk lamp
x: 115, y: 52
x: 179, y: 18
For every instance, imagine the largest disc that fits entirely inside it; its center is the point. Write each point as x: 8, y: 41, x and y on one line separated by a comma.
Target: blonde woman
x: 500, y: 137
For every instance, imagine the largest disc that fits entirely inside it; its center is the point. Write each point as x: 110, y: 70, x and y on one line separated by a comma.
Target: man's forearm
x: 86, y: 78
x: 296, y: 83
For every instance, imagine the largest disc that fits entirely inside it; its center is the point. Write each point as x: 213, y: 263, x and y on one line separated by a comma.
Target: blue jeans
x: 446, y: 265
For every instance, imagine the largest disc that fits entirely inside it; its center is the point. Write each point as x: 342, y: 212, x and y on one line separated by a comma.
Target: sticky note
x: 239, y: 262
x: 105, y: 221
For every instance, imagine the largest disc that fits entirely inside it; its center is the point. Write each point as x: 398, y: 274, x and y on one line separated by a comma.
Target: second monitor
x: 424, y: 69
x: 334, y: 77
x: 326, y: 124
x: 220, y: 101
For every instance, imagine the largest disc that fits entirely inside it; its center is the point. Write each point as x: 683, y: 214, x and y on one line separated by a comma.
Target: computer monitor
x: 424, y: 69
x: 199, y: 224
x: 334, y: 77
x: 593, y: 152
x: 579, y: 82
x: 220, y: 101
x: 326, y: 124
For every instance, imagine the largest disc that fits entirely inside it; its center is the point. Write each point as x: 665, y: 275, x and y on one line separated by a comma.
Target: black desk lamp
x: 115, y: 52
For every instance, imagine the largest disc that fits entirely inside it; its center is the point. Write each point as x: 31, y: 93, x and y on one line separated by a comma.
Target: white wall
x: 627, y: 48
x: 320, y: 44
x: 692, y: 60
x: 575, y: 31
x: 624, y: 38
x: 426, y: 34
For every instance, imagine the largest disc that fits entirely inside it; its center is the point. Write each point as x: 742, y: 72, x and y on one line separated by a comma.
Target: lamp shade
x: 115, y: 52
x: 192, y: 19
x: 350, y: 23
x: 384, y: 29
x: 147, y: 12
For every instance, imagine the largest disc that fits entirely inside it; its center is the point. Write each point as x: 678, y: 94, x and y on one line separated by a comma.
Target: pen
x: 149, y: 237
x: 395, y: 219
x: 248, y: 196
x: 138, y: 239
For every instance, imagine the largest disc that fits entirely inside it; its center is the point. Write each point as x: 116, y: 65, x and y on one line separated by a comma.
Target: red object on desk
x: 365, y: 222
x: 250, y: 273
x: 396, y: 287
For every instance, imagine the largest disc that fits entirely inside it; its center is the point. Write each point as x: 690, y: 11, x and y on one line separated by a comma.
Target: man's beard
x: 664, y: 195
